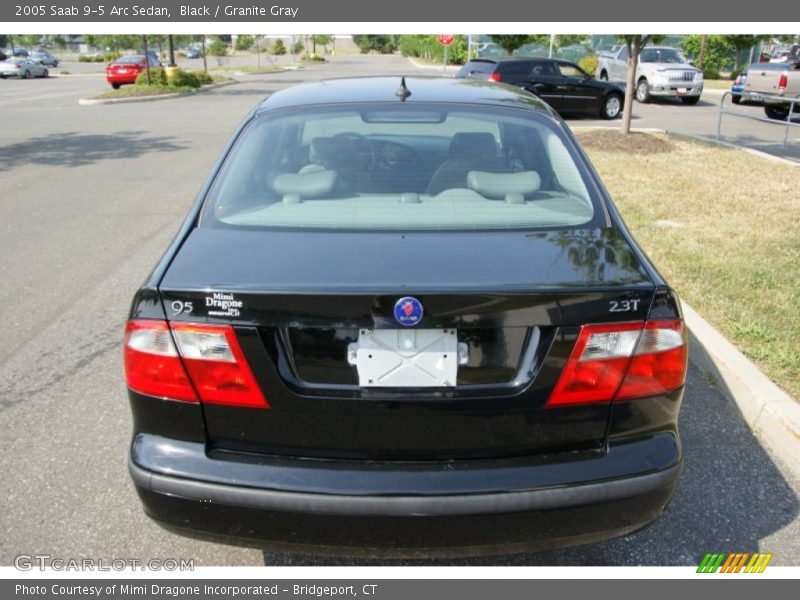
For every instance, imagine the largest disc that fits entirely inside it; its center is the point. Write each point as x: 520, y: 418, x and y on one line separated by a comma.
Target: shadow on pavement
x: 730, y: 497
x: 77, y: 149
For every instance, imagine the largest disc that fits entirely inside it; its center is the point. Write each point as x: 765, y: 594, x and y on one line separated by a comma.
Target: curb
x: 731, y: 145
x: 440, y: 68
x: 265, y: 73
x: 772, y: 415
x: 205, y: 88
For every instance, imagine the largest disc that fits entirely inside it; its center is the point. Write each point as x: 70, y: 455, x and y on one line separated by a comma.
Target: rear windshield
x: 476, y: 66
x: 400, y: 166
x: 135, y: 58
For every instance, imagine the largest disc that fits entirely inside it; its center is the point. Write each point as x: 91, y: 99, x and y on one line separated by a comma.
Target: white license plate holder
x: 407, y: 358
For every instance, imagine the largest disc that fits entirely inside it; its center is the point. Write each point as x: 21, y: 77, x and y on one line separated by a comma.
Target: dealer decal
x: 220, y: 304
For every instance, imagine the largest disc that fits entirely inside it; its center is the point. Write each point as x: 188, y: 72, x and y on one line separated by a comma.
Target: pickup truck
x: 662, y: 71
x: 776, y: 87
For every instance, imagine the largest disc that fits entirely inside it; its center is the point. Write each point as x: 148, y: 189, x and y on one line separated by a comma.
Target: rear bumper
x: 122, y: 79
x: 405, y: 509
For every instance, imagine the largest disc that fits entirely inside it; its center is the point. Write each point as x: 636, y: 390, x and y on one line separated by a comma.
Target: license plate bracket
x: 407, y: 358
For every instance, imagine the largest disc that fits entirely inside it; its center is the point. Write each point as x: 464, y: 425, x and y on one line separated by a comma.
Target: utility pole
x: 146, y: 59
x: 171, y: 52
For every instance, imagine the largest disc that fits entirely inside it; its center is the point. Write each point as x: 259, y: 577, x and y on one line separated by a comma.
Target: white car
x: 22, y: 68
x: 662, y: 71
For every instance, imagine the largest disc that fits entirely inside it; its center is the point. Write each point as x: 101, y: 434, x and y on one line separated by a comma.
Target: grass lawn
x: 138, y: 91
x: 723, y: 227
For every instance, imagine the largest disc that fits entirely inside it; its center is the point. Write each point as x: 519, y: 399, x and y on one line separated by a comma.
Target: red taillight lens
x: 784, y: 80
x: 659, y: 364
x: 623, y: 361
x: 152, y: 364
x: 495, y: 77
x: 205, y: 358
x: 217, y: 366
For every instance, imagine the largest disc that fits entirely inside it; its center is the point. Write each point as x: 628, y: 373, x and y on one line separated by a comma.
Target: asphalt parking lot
x: 90, y: 198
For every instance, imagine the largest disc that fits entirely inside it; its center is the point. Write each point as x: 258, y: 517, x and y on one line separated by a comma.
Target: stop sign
x: 445, y: 39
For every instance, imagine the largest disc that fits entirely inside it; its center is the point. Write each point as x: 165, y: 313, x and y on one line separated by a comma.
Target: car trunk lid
x: 298, y: 301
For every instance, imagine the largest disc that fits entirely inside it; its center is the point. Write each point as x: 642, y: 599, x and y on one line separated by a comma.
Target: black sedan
x: 404, y: 316
x: 562, y: 84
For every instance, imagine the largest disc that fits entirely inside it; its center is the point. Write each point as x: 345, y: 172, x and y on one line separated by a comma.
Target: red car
x: 127, y: 68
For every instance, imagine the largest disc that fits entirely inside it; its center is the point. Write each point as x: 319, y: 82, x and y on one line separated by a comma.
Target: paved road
x: 86, y: 211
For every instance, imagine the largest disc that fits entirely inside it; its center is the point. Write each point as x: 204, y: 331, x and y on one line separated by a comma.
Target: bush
x: 589, y: 64
x: 426, y: 46
x: 185, y: 79
x: 383, y: 44
x: 92, y: 59
x: 315, y: 58
x: 217, y: 48
x: 111, y: 56
x: 245, y: 42
x: 203, y: 77
x: 298, y: 48
x: 278, y: 48
x: 158, y: 76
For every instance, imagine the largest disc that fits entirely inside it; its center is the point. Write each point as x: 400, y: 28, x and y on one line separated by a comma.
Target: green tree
x: 740, y: 43
x: 509, y: 43
x: 278, y: 48
x: 717, y: 55
x: 244, y: 42
x: 322, y: 40
x: 562, y: 41
x: 217, y: 47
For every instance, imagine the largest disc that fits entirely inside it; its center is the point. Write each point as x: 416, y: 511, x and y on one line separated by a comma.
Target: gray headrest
x: 500, y: 185
x: 305, y: 185
x: 469, y: 145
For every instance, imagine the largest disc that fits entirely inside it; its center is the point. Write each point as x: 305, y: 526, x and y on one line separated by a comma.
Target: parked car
x: 737, y: 87
x: 562, y: 84
x: 775, y: 84
x: 44, y: 57
x: 22, y: 68
x: 404, y: 314
x: 661, y: 72
x: 193, y: 53
x: 20, y: 52
x: 126, y: 69
x: 739, y: 91
x: 3, y: 56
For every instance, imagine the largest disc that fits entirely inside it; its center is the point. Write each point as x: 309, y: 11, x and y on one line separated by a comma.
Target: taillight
x: 152, y: 364
x: 495, y: 77
x: 202, y: 362
x: 623, y: 361
x: 784, y: 80
x: 217, y: 366
x: 738, y: 80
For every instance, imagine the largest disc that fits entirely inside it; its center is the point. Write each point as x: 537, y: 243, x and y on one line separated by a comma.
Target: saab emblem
x: 408, y: 311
